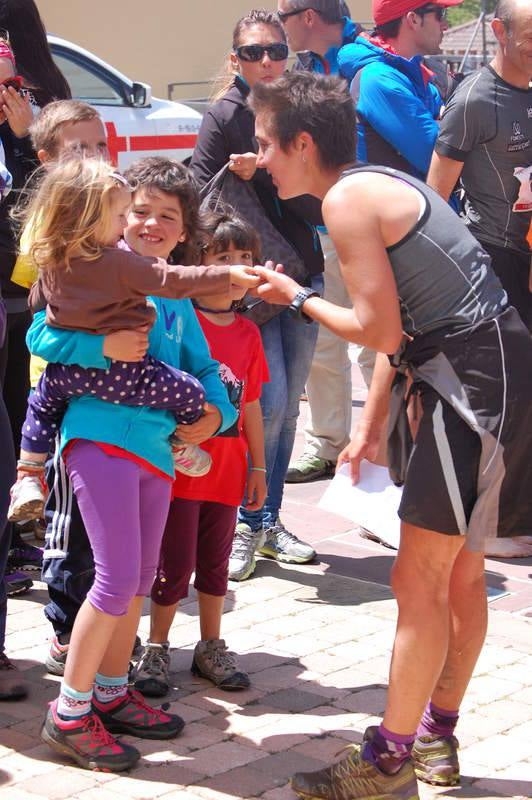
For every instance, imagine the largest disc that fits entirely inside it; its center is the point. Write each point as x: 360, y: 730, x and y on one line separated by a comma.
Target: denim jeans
x: 289, y: 346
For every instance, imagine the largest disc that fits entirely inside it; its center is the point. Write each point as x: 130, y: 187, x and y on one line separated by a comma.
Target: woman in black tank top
x: 423, y: 292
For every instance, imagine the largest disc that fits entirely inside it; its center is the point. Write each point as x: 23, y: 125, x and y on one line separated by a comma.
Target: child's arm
x: 85, y: 349
x: 145, y: 277
x: 254, y: 433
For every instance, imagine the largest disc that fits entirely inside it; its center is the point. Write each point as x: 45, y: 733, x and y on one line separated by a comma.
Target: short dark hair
x: 389, y: 30
x: 173, y: 178
x: 259, y: 16
x: 317, y: 104
x: 331, y: 11
x: 223, y: 228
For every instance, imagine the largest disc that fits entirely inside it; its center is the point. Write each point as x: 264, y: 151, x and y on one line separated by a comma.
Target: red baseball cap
x: 387, y: 10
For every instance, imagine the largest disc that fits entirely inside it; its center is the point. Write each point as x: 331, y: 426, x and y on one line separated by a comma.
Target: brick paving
x: 316, y: 641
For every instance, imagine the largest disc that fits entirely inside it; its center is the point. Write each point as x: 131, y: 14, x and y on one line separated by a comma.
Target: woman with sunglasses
x: 258, y: 56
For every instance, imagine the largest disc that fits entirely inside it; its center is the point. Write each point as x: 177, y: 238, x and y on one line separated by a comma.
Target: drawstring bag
x: 227, y: 189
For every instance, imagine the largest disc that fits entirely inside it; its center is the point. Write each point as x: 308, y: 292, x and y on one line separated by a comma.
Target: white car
x: 137, y: 124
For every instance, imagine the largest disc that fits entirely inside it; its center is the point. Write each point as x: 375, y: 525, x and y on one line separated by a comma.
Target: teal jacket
x: 177, y: 339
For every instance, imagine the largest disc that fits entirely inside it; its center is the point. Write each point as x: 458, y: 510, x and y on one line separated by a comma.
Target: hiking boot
x: 284, y: 546
x: 132, y: 716
x: 212, y: 660
x: 16, y: 583
x: 309, y: 468
x: 25, y: 557
x: 12, y: 687
x: 190, y: 459
x: 150, y: 675
x: 242, y: 559
x: 57, y: 655
x: 87, y: 742
x: 28, y: 496
x: 354, y: 778
x: 436, y: 760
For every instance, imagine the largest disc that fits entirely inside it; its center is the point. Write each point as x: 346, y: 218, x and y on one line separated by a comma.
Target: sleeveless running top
x: 443, y: 276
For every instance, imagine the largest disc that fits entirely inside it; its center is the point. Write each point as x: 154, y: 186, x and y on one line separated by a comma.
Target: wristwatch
x: 296, y: 306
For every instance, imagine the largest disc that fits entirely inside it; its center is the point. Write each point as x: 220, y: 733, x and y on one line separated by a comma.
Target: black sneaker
x: 87, y: 742
x: 16, y: 583
x: 26, y: 557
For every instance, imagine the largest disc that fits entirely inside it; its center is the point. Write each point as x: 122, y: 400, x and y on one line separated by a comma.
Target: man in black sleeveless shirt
x: 423, y: 292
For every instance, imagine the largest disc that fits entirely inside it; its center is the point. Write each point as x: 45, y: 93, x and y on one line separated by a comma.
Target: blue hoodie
x: 177, y: 339
x: 394, y: 100
x: 312, y: 62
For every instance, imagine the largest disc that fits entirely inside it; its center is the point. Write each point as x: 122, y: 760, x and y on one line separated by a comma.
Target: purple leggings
x: 144, y: 383
x: 124, y: 508
x: 197, y: 538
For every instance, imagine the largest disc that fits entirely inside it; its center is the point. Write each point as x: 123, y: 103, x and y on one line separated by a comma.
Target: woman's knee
x: 419, y: 586
x: 114, y: 596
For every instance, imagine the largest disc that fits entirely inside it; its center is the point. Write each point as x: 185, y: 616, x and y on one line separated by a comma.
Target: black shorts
x: 440, y: 487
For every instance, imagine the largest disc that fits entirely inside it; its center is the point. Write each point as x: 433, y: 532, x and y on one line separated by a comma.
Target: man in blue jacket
x: 396, y: 100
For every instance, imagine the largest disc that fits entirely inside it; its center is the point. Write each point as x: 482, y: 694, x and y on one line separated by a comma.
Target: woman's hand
x: 127, y: 345
x: 243, y: 165
x: 201, y: 430
x: 244, y: 276
x: 17, y: 110
x: 364, y: 444
x: 256, y: 490
x: 275, y: 286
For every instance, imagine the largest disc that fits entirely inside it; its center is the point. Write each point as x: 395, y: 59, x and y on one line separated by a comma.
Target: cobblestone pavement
x: 316, y: 640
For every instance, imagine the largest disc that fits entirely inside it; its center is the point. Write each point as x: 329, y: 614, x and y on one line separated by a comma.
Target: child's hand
x: 243, y: 165
x: 17, y: 110
x: 128, y: 345
x: 275, y: 286
x: 256, y: 490
x: 243, y: 276
x: 201, y: 430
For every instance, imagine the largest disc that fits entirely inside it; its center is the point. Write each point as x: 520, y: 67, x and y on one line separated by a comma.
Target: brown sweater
x: 109, y: 293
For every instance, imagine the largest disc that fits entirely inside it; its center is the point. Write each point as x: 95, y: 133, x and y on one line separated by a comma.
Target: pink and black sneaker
x: 131, y: 715
x: 87, y: 742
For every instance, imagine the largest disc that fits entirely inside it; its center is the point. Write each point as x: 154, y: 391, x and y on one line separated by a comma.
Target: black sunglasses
x: 283, y: 15
x: 255, y: 52
x: 439, y: 11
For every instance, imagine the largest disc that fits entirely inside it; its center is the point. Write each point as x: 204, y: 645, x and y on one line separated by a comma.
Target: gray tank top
x: 443, y: 276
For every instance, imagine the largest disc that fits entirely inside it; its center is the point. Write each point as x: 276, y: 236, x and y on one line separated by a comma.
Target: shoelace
x: 284, y: 536
x: 153, y: 661
x: 138, y: 700
x: 243, y: 541
x: 224, y: 658
x: 95, y: 727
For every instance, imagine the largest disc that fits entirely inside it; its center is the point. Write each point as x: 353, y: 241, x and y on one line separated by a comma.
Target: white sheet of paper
x: 373, y: 503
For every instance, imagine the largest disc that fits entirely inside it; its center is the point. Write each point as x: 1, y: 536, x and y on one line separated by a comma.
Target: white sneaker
x: 191, y: 460
x: 242, y: 558
x: 27, y: 499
